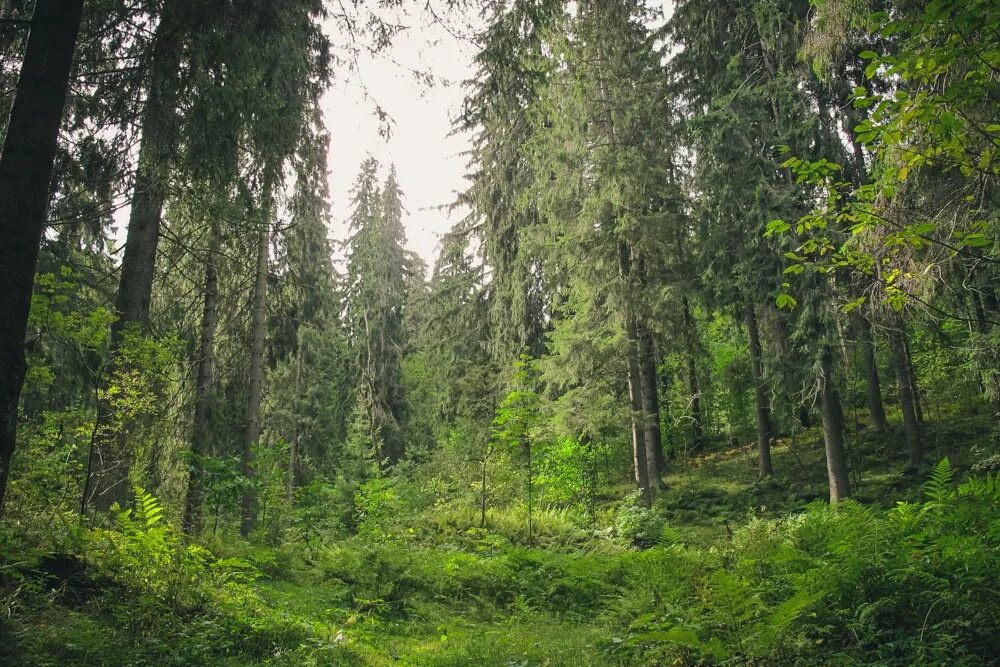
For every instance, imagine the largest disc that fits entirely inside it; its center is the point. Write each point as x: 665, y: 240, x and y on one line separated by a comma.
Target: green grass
x: 440, y: 594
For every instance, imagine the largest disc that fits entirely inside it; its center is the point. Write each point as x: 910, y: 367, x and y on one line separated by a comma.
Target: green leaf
x: 938, y: 486
x: 786, y: 301
x: 683, y: 636
x: 776, y: 227
x: 977, y: 240
x: 853, y: 305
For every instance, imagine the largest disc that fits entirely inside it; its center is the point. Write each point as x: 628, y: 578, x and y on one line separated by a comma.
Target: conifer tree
x: 377, y: 270
x: 25, y: 171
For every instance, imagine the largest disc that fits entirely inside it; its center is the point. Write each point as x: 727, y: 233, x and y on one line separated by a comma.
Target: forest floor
x: 436, y: 601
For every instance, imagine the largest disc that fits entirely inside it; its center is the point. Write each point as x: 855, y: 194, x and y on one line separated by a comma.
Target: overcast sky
x: 429, y: 162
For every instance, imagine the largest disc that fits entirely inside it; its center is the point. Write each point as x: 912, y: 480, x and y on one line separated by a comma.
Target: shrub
x: 637, y: 526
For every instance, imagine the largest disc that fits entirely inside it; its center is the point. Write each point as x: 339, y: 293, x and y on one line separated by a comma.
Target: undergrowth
x: 738, y: 583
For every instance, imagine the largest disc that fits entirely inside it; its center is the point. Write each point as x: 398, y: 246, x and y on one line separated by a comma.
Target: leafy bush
x: 636, y: 525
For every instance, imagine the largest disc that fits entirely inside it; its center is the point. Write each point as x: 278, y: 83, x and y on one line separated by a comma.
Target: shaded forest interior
x: 705, y: 372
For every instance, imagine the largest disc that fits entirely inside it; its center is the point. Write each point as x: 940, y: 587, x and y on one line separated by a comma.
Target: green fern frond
x: 148, y: 508
x: 938, y: 487
x: 986, y: 487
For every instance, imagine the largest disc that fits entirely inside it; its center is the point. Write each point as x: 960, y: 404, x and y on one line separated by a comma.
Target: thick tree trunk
x: 911, y: 427
x: 873, y: 387
x: 651, y: 409
x: 108, y: 481
x: 833, y: 431
x: 762, y: 409
x: 203, y: 389
x: 255, y: 386
x: 25, y: 175
x: 694, y: 389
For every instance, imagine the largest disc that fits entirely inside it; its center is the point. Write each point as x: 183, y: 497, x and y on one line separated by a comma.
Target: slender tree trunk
x: 911, y: 427
x: 531, y: 527
x: 763, y: 411
x: 203, y: 389
x: 482, y: 486
x: 914, y: 384
x: 108, y: 482
x: 639, y: 449
x: 640, y: 459
x: 873, y: 387
x: 651, y: 410
x: 256, y: 377
x: 833, y: 431
x: 844, y: 347
x: 293, y: 446
x: 25, y: 176
x: 694, y: 390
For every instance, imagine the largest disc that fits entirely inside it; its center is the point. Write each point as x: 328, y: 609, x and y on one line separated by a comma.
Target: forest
x: 705, y: 370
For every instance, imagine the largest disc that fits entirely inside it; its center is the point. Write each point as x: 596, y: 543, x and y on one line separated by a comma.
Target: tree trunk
x: 293, y: 446
x: 639, y: 449
x: 255, y: 387
x: 911, y: 371
x: 203, y: 389
x: 694, y: 389
x: 805, y: 421
x: 876, y: 410
x: 25, y: 176
x: 639, y: 457
x: 833, y: 431
x: 108, y: 479
x: 911, y: 427
x: 763, y: 411
x: 984, y: 305
x: 651, y: 410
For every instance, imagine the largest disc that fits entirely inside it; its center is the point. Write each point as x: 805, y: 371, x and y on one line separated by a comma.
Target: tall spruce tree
x: 377, y: 270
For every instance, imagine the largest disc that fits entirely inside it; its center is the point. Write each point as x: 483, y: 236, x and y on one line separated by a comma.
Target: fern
x: 149, y: 512
x: 938, y: 487
x: 986, y: 487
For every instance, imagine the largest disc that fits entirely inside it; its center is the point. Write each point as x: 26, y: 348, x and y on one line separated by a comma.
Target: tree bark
x: 108, y: 480
x: 873, y: 387
x: 203, y: 390
x: 833, y: 431
x: 694, y: 389
x: 763, y: 410
x: 255, y: 387
x: 639, y: 449
x: 293, y: 446
x: 25, y: 176
x: 911, y: 427
x: 911, y: 371
x: 651, y: 410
